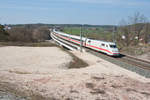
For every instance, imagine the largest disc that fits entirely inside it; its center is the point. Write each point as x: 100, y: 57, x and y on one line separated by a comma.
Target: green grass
x: 96, y: 33
x: 73, y: 31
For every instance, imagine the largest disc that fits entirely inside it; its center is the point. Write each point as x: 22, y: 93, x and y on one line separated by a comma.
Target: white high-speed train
x: 109, y: 48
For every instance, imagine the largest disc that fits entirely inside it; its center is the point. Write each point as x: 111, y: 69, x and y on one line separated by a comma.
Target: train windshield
x: 113, y: 46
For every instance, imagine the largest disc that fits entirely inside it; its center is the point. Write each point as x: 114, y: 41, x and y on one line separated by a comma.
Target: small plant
x: 89, y: 85
x: 19, y: 72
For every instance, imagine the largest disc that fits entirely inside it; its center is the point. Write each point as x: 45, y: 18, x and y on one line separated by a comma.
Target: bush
x: 3, y: 34
x: 28, y: 34
x: 20, y: 34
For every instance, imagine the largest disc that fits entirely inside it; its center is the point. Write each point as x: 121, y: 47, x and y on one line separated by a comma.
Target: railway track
x: 128, y: 59
x: 135, y: 61
x: 139, y: 66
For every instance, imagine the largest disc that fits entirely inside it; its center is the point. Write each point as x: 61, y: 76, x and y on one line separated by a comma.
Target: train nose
x: 115, y: 52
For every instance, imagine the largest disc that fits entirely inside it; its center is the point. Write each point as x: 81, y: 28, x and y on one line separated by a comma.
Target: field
x: 91, y: 32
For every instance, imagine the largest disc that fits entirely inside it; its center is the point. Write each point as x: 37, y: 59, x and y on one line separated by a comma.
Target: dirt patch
x: 9, y: 96
x: 41, y: 74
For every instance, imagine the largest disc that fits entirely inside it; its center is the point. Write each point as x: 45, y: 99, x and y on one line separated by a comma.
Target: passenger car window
x: 103, y: 44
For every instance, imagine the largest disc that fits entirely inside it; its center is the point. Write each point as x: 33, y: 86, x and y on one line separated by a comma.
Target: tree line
x: 36, y: 32
x: 130, y: 31
x: 24, y: 33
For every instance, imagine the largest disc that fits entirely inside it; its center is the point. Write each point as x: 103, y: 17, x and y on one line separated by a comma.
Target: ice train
x: 108, y: 48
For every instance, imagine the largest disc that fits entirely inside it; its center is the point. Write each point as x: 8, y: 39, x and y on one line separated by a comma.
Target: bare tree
x: 133, y: 29
x: 41, y: 34
x: 138, y: 22
x: 20, y: 34
x: 146, y: 33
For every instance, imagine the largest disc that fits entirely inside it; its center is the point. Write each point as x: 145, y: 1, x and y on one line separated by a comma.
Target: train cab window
x: 113, y: 46
x: 106, y: 45
x: 103, y: 44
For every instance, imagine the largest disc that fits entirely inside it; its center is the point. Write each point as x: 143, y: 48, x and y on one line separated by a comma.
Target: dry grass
x: 76, y: 62
x: 136, y: 50
x: 97, y: 91
x: 97, y: 78
x: 90, y: 85
x: 38, y: 44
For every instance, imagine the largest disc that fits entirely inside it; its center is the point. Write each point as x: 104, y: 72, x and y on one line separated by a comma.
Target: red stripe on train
x: 86, y: 44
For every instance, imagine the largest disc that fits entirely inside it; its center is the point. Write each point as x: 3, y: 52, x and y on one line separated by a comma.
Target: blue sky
x: 99, y: 12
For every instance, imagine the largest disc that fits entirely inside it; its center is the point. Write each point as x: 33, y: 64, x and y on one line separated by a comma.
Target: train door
x: 89, y: 41
x: 104, y: 47
x: 85, y: 42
